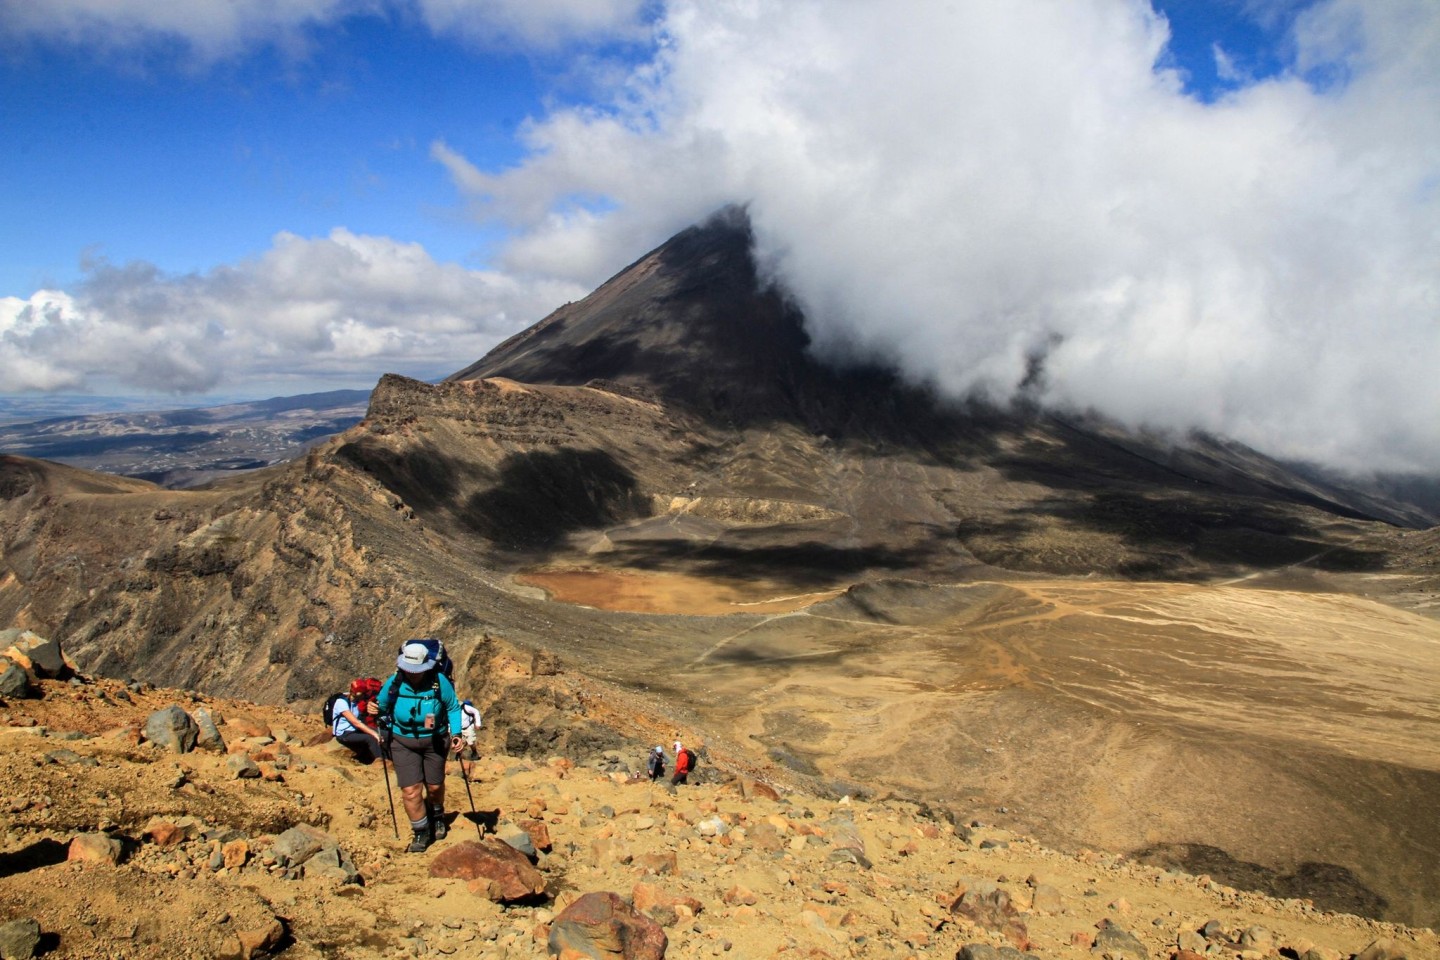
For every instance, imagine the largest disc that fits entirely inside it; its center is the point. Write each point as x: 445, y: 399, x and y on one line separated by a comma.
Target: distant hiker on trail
x: 655, y: 766
x: 425, y: 724
x: 683, y: 764
x: 470, y: 724
x: 350, y: 720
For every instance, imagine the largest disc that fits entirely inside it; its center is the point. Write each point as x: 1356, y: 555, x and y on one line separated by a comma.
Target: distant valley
x: 181, y: 448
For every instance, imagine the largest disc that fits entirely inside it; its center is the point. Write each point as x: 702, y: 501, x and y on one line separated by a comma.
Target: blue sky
x: 144, y: 154
x: 231, y: 198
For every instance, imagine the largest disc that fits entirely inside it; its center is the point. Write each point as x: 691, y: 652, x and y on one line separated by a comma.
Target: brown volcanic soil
x: 1292, y: 735
x: 166, y: 901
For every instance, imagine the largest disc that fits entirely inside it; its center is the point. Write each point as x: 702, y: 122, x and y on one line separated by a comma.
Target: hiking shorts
x: 417, y: 760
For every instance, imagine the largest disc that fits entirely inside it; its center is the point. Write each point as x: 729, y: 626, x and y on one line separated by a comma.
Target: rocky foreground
x: 148, y: 823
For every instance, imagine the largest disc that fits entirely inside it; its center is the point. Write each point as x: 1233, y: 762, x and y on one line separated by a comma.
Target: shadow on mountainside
x: 542, y: 495
x: 1330, y: 886
x: 423, y: 477
x: 807, y: 565
x: 1172, y: 525
x: 531, y: 500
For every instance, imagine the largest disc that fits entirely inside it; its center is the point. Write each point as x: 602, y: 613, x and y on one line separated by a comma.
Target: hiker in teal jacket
x: 424, y: 729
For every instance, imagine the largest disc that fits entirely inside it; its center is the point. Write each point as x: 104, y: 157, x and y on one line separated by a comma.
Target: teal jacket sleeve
x: 451, y: 705
x: 385, y: 699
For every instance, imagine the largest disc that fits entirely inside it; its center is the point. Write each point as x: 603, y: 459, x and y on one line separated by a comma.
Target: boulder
x: 330, y: 863
x: 19, y: 939
x: 172, y: 728
x: 494, y: 868
x: 234, y: 854
x: 35, y: 653
x: 650, y: 897
x: 298, y: 844
x: 605, y: 927
x: 14, y: 682
x: 252, y: 943
x: 518, y: 838
x: 209, y: 737
x: 539, y: 834
x: 95, y: 848
x: 992, y: 910
x: 1118, y: 943
x: 242, y: 767
x: 984, y: 951
x: 1383, y: 949
x: 1047, y: 900
x: 755, y: 789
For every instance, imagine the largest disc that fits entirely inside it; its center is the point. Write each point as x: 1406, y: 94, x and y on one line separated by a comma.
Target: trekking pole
x: 474, y: 815
x: 385, y: 769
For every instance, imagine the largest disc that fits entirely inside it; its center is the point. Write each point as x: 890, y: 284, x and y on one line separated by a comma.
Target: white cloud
x: 212, y: 29
x: 961, y: 186
x: 534, y: 23
x: 216, y: 29
x: 342, y: 307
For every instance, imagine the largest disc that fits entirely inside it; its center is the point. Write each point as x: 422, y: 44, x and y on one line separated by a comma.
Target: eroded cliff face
x: 281, y: 584
x: 250, y: 588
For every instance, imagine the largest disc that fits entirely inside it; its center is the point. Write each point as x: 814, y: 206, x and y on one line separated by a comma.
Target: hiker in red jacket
x: 682, y: 764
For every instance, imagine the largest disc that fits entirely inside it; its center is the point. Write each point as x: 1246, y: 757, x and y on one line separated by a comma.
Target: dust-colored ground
x: 775, y: 882
x: 666, y: 592
x: 1292, y: 731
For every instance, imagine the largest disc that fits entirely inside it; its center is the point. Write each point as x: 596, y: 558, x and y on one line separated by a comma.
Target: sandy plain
x: 1282, y: 731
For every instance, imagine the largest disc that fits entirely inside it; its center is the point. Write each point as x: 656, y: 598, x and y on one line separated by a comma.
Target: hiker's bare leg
x: 413, y: 797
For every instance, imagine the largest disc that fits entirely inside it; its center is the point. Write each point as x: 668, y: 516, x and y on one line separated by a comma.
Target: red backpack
x: 363, y: 691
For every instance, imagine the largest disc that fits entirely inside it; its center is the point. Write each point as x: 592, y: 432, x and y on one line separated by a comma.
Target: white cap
x: 414, y: 658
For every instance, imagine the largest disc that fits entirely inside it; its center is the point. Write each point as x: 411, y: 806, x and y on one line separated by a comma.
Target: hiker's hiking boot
x: 440, y: 827
x: 419, y: 843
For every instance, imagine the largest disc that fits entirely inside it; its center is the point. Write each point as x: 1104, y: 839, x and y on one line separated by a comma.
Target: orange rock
x: 236, y: 852
x: 94, y: 848
x: 741, y: 895
x: 165, y: 834
x: 649, y: 896
x: 248, y: 726
x: 663, y: 862
x: 539, y: 833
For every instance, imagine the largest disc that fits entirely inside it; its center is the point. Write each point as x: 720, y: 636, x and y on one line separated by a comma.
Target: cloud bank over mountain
x: 1002, y: 199
x: 978, y: 192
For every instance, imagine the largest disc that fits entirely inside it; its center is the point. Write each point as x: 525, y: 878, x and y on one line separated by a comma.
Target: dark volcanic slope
x: 692, y: 324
